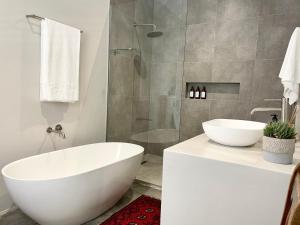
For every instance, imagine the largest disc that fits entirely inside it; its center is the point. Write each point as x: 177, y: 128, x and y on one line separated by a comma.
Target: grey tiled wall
x: 235, y: 41
x: 167, y: 64
x: 145, y: 86
x: 129, y: 78
x: 239, y: 41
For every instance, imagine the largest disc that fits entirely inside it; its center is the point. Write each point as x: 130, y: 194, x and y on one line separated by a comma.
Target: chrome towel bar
x: 33, y: 16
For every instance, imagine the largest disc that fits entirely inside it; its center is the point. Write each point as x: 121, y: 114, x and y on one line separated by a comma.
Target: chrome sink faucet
x: 284, y: 108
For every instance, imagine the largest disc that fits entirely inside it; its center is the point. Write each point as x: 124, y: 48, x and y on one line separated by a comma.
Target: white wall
x: 23, y: 119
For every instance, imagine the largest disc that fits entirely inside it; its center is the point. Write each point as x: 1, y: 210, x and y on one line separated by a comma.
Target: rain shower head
x: 154, y: 33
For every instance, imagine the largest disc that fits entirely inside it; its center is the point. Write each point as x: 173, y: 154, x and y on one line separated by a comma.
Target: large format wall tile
x: 200, y: 41
x: 232, y: 71
x: 193, y: 113
x: 163, y: 111
x: 144, y: 11
x: 169, y: 13
x: 228, y: 109
x: 235, y: 72
x: 231, y: 45
x: 142, y: 73
x: 170, y: 46
x: 274, y: 35
x: 119, y: 122
x: 129, y: 78
x: 238, y: 9
x: 121, y: 75
x: 201, y: 11
x: 240, y: 41
x: 236, y: 39
x: 121, y: 33
x: 163, y: 79
x: 178, y: 88
x: 273, y: 7
x: 140, y: 116
x: 197, y: 72
x: 266, y: 83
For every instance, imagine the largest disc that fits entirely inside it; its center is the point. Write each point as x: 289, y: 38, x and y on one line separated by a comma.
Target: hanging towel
x: 60, y: 49
x: 290, y: 71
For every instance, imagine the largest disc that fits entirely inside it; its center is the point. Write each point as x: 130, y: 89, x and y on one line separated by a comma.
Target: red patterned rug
x: 142, y: 211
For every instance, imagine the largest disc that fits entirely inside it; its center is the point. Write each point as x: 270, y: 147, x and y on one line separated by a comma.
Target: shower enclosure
x: 147, y: 40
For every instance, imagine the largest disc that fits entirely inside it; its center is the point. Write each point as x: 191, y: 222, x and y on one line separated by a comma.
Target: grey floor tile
x: 16, y: 217
x: 151, y: 170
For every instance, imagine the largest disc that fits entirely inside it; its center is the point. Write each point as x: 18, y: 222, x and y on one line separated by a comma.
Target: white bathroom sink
x: 234, y: 132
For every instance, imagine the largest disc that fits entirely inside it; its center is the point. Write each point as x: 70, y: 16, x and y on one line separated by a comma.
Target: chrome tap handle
x: 49, y: 130
x: 58, y: 128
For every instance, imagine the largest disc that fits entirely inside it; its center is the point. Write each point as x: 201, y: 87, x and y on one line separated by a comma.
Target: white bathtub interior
x: 68, y: 162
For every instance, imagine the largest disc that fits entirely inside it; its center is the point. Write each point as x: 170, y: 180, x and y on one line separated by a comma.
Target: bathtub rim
x: 140, y: 150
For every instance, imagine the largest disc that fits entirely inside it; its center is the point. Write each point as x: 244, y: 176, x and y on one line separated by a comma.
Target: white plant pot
x: 279, y: 151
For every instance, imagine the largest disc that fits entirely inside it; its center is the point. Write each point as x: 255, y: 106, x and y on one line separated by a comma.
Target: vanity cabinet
x: 205, y: 183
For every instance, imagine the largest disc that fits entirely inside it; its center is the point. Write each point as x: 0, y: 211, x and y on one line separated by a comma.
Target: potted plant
x: 279, y: 142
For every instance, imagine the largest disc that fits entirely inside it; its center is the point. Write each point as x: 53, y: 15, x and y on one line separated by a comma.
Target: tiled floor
x: 18, y: 218
x: 151, y: 171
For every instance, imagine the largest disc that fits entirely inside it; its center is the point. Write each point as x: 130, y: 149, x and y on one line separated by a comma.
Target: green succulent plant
x: 280, y: 130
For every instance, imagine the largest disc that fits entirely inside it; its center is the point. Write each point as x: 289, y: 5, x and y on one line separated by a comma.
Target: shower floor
x: 150, y: 173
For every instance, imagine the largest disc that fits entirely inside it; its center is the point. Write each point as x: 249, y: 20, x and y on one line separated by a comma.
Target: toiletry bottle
x: 197, y: 93
x: 192, y: 92
x: 203, y: 93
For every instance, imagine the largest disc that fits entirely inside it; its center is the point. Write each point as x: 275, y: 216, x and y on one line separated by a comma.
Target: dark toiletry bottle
x: 203, y: 93
x: 192, y: 93
x: 197, y: 93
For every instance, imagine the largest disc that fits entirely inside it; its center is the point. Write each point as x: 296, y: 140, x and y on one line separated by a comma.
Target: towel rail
x: 40, y: 18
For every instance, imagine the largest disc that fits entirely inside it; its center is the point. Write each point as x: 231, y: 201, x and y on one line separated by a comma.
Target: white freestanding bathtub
x: 72, y: 186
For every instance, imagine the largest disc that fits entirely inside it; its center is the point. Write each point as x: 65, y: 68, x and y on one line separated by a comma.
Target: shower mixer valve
x: 58, y: 130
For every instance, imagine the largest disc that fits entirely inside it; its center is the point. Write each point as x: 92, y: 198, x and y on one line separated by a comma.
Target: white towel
x: 290, y: 71
x: 60, y: 50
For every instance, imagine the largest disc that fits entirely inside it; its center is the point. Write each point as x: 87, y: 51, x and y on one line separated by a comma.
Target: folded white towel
x: 290, y: 71
x: 60, y: 50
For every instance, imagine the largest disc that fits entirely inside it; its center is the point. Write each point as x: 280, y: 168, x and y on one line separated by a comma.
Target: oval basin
x: 234, y: 132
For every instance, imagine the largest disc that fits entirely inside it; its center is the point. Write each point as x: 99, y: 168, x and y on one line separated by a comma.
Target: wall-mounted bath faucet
x: 58, y: 130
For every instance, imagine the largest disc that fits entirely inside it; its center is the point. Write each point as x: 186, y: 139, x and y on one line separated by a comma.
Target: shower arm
x: 145, y: 24
x: 116, y: 51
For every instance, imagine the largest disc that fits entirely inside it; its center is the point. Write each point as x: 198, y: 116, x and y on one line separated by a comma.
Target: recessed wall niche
x: 215, y: 90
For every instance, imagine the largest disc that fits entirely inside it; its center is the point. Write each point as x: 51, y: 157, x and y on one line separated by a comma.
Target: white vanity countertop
x: 201, y: 146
